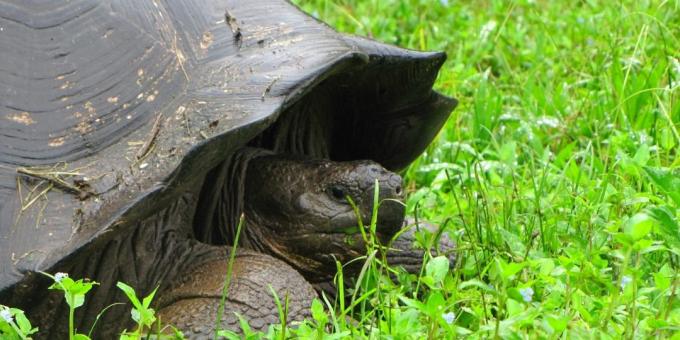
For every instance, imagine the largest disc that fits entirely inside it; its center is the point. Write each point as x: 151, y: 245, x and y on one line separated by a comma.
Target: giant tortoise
x: 136, y: 133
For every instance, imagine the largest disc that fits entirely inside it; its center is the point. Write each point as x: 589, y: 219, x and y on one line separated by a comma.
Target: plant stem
x: 615, y: 298
x: 227, y: 279
x: 71, y: 312
x: 17, y: 330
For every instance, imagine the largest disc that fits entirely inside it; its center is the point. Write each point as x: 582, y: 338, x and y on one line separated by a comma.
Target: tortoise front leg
x: 192, y: 302
x: 404, y: 253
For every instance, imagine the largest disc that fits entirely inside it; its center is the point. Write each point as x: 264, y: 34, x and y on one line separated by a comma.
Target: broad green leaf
x: 147, y: 300
x: 667, y: 181
x: 642, y: 155
x: 638, y: 226
x: 508, y: 153
x: 429, y: 281
x: 435, y: 304
x: 656, y: 323
x: 514, y: 242
x: 80, y: 287
x: 245, y: 327
x: 513, y: 307
x: 318, y: 312
x: 78, y: 300
x: 582, y: 310
x: 126, y: 336
x: 667, y: 224
x: 437, y: 268
x: 130, y: 292
x: 666, y: 138
x: 230, y: 335
x: 475, y: 283
x: 545, y: 266
x: 413, y: 303
x: 662, y: 278
x: 558, y: 324
x: 67, y: 283
x: 565, y: 154
x: 506, y: 270
x: 22, y: 322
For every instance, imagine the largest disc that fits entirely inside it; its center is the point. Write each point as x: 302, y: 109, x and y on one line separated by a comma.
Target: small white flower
x: 487, y: 29
x: 6, y: 314
x: 449, y: 317
x: 60, y: 276
x: 444, y: 2
x: 676, y: 70
x: 548, y: 121
x: 625, y: 280
x: 676, y: 65
x: 631, y: 63
x: 527, y: 294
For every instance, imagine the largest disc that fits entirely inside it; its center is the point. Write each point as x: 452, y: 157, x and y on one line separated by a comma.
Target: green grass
x: 558, y: 171
x: 558, y: 175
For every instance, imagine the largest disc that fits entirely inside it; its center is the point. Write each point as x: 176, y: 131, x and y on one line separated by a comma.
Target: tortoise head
x: 309, y: 212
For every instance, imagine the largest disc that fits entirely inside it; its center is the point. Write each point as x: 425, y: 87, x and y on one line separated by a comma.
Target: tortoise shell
x: 109, y: 109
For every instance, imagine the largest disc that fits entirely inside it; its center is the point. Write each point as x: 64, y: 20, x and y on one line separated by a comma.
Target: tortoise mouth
x: 346, y: 244
x: 315, y: 254
x: 356, y: 232
x: 390, y: 218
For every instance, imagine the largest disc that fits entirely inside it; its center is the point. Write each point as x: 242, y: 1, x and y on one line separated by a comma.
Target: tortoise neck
x: 251, y: 237
x: 258, y: 234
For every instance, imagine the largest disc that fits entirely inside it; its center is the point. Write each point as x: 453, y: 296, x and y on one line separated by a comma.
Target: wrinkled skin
x: 300, y: 211
x: 305, y: 213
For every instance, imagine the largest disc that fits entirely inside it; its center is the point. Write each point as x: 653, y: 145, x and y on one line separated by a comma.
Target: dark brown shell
x: 110, y: 108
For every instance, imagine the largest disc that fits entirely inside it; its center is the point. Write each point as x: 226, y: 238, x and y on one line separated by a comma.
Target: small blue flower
x: 60, y: 276
x: 527, y: 294
x: 6, y: 314
x: 444, y: 2
x: 625, y: 280
x: 449, y: 317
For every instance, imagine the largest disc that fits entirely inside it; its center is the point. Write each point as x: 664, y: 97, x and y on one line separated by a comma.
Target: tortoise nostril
x: 397, y: 190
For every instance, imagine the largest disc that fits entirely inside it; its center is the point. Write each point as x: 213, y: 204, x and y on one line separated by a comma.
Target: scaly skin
x: 298, y: 211
x: 193, y: 301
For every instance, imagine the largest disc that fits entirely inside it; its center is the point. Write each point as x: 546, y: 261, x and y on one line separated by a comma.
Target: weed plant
x: 557, y: 176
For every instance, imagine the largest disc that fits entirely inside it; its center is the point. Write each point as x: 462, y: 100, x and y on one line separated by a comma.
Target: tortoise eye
x: 338, y: 193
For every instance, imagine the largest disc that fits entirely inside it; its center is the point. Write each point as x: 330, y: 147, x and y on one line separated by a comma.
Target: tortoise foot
x: 404, y: 253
